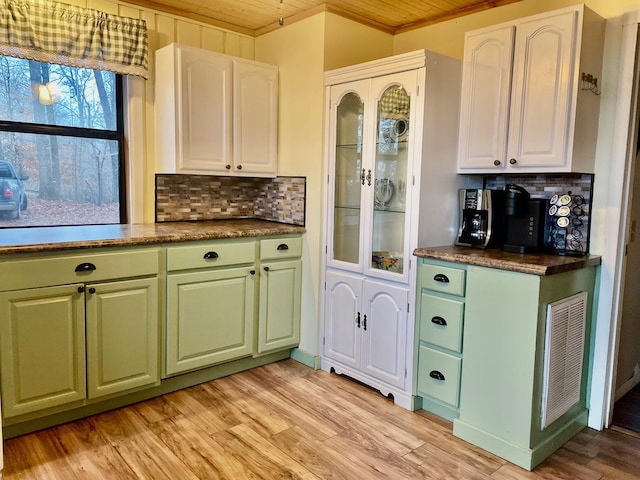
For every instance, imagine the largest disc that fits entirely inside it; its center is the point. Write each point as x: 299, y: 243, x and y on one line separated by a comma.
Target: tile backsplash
x: 566, y: 235
x: 208, y: 197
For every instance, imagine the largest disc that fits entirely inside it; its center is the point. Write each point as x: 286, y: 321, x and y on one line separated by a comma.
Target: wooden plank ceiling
x: 256, y: 17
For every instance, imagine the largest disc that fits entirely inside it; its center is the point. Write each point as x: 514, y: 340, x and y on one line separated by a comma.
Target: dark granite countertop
x: 49, y: 239
x: 532, y: 263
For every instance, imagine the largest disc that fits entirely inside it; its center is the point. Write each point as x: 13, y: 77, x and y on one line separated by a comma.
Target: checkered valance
x: 395, y: 102
x: 53, y: 32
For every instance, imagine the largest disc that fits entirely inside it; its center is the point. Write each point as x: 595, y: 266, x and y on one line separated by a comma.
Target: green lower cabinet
x: 122, y: 336
x: 65, y: 344
x: 42, y: 337
x: 503, y: 372
x: 279, y: 310
x: 439, y: 323
x: 439, y: 375
x: 210, y: 317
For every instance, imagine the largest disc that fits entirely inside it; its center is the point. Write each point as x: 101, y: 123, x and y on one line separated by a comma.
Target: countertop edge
x: 534, y: 264
x: 128, y: 235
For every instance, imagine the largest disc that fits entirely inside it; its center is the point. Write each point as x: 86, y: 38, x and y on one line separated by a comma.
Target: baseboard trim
x: 306, y: 358
x: 627, y: 386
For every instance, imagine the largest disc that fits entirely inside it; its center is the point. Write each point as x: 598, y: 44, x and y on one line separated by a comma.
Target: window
x: 62, y: 132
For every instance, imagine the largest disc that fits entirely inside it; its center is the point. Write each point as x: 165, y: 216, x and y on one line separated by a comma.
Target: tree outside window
x: 61, y: 128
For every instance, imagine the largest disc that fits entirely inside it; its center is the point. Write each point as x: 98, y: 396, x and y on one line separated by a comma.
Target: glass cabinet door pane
x: 391, y: 157
x: 348, y: 169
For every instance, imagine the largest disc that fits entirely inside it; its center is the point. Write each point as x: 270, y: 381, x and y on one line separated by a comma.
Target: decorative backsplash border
x: 208, y: 197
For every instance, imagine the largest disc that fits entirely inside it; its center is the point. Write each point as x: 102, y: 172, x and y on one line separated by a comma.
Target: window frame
x: 81, y: 132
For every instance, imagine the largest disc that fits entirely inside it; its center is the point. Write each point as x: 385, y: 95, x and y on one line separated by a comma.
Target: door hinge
x: 405, y: 373
x: 413, y: 180
x: 323, y: 340
x: 407, y: 307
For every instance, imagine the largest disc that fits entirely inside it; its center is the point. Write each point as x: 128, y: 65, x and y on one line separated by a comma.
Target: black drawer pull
x: 436, y: 374
x: 252, y: 272
x: 266, y: 269
x: 283, y: 246
x: 439, y: 321
x: 210, y: 256
x: 441, y: 277
x: 85, y: 267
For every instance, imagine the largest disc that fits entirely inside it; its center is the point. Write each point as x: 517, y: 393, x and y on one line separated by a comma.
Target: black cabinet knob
x: 252, y: 272
x: 497, y: 163
x: 92, y: 290
x: 436, y: 374
x: 266, y: 269
x: 80, y: 289
x: 85, y: 267
x: 439, y: 321
x: 441, y: 277
x: 227, y: 166
x: 239, y: 167
x: 513, y: 161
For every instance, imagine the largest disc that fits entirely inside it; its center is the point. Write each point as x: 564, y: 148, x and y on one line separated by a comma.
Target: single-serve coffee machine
x: 525, y: 220
x: 481, y: 218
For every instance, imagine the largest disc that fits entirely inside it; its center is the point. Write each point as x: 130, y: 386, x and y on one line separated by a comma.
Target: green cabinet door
x: 42, y: 337
x: 122, y: 336
x: 279, y: 318
x: 209, y: 317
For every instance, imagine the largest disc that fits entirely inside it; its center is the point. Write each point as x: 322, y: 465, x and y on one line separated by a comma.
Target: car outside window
x: 62, y: 142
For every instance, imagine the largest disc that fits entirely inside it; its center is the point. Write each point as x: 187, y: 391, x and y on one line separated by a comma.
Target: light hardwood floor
x: 287, y: 421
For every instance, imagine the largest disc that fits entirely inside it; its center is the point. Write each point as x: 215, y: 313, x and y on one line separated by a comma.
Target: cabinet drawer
x: 443, y: 279
x: 210, y: 254
x: 49, y: 270
x: 441, y: 321
x: 439, y: 375
x: 286, y: 247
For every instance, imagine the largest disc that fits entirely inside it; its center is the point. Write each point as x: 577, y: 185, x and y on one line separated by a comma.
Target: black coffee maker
x: 525, y: 220
x: 481, y: 218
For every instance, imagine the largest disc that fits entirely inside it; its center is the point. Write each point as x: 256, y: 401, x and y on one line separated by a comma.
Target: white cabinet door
x: 541, y: 98
x: 204, y: 112
x: 343, y: 318
x: 255, y: 118
x: 384, y: 331
x: 486, y: 85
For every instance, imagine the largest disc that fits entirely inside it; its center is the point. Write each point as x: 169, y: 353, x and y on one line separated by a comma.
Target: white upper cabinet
x: 215, y: 114
x: 523, y: 109
x: 486, y: 85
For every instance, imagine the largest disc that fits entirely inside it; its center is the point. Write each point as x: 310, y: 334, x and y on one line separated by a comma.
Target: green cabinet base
x: 441, y: 409
x: 523, y: 457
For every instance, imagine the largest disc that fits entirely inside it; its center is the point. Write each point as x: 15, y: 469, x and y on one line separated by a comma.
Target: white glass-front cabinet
x: 524, y: 105
x: 375, y: 154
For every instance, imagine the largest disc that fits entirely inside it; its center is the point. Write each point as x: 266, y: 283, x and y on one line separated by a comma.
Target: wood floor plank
x: 310, y: 452
x: 300, y: 414
x: 288, y: 421
x: 262, y: 458
x: 197, y: 450
x: 371, y: 458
